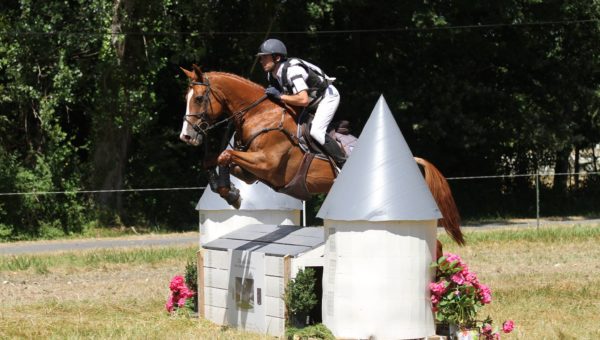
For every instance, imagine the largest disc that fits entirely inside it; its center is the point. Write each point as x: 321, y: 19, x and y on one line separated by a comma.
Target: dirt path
x: 34, y: 247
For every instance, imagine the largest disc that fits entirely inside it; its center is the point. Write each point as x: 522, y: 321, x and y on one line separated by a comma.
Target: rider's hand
x: 273, y: 93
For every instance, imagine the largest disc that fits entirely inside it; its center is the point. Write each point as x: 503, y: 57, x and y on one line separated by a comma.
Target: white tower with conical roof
x: 260, y: 205
x: 380, y: 227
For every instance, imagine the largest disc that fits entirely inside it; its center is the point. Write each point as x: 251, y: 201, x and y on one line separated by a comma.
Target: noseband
x: 203, y: 125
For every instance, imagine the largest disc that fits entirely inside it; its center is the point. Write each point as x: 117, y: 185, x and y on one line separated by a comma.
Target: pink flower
x: 434, y: 299
x: 486, y: 328
x: 451, y: 258
x: 458, y: 278
x: 470, y: 277
x: 438, y: 288
x: 181, y: 301
x: 169, y: 304
x: 179, y: 293
x: 188, y: 293
x: 176, y: 283
x: 485, y: 294
x: 508, y: 326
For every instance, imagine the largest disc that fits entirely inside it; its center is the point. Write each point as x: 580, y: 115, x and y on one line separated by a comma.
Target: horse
x: 267, y: 146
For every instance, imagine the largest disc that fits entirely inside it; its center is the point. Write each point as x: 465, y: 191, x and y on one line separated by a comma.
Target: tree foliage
x: 91, y: 92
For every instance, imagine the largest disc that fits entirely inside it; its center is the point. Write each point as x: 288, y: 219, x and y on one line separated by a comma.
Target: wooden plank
x: 275, y: 326
x: 216, y: 278
x: 215, y: 297
x: 200, y: 278
x: 274, y: 307
x: 217, y: 315
x: 287, y: 273
x: 216, y: 259
x: 275, y: 286
x: 274, y: 266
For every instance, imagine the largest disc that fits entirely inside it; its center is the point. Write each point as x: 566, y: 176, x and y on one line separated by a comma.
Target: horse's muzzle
x: 194, y: 141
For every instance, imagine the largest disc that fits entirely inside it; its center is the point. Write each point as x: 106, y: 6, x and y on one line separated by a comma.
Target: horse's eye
x: 198, y: 99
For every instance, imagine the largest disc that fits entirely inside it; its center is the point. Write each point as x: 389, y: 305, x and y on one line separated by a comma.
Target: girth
x: 297, y: 187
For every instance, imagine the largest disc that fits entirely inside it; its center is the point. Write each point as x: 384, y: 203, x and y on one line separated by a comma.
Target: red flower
x: 176, y: 283
x: 508, y: 326
x: 179, y: 293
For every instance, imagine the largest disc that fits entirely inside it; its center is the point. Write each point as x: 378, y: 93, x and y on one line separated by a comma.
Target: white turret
x: 380, y: 227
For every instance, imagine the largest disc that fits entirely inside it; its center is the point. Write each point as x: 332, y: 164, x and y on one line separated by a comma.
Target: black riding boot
x: 333, y: 149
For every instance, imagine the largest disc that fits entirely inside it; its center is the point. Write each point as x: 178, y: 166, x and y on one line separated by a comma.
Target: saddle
x: 305, y: 140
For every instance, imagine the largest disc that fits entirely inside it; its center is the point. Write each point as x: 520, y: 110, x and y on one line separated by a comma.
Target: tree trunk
x: 560, y: 167
x: 576, y: 167
x: 114, y: 116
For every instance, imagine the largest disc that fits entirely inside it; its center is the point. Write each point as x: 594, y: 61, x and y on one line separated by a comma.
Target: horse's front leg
x: 255, y: 163
x: 220, y: 183
x: 226, y: 189
x: 227, y: 160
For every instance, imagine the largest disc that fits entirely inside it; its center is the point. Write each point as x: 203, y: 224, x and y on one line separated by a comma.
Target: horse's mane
x: 292, y: 111
x: 239, y: 78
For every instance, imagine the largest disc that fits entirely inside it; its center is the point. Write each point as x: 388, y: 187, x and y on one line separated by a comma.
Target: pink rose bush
x: 179, y: 293
x: 457, y: 296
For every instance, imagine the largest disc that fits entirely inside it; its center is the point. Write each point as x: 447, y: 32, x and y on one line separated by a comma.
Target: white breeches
x: 324, y: 114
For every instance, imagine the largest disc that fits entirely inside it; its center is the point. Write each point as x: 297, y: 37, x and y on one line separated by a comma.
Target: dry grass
x: 115, y: 300
x: 550, y: 287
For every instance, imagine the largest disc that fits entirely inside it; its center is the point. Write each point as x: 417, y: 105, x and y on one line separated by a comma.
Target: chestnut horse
x: 266, y: 143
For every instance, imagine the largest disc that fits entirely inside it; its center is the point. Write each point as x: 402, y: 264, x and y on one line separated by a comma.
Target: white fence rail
x: 535, y: 179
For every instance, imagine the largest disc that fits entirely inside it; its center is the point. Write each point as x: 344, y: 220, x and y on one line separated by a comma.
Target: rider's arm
x: 299, y: 99
x: 296, y: 76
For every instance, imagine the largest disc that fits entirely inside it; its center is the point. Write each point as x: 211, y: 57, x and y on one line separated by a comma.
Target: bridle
x: 203, y: 125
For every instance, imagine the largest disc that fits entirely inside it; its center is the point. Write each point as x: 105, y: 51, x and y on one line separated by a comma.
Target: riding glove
x: 273, y: 93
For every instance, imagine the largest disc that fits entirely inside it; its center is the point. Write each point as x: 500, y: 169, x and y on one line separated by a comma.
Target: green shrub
x: 191, y: 280
x: 318, y: 331
x: 300, y: 297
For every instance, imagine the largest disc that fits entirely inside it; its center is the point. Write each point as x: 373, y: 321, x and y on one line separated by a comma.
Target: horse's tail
x: 443, y: 197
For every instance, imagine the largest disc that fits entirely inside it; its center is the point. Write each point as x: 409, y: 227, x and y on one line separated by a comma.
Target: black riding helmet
x: 272, y: 46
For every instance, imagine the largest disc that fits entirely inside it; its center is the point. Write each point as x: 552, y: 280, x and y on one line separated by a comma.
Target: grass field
x: 547, y: 281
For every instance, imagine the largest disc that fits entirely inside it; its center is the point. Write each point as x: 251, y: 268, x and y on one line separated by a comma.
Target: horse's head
x: 203, y: 108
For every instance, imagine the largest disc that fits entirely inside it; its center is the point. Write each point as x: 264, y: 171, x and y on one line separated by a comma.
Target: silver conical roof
x: 380, y: 181
x: 257, y: 196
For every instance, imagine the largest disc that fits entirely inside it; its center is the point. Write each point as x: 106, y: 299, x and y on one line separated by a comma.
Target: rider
x: 299, y: 83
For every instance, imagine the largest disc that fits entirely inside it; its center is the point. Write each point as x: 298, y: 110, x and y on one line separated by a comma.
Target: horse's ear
x: 198, y: 72
x: 189, y: 74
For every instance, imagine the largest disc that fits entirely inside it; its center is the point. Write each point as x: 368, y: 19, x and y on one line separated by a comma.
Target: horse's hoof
x: 238, y: 203
x: 233, y: 197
